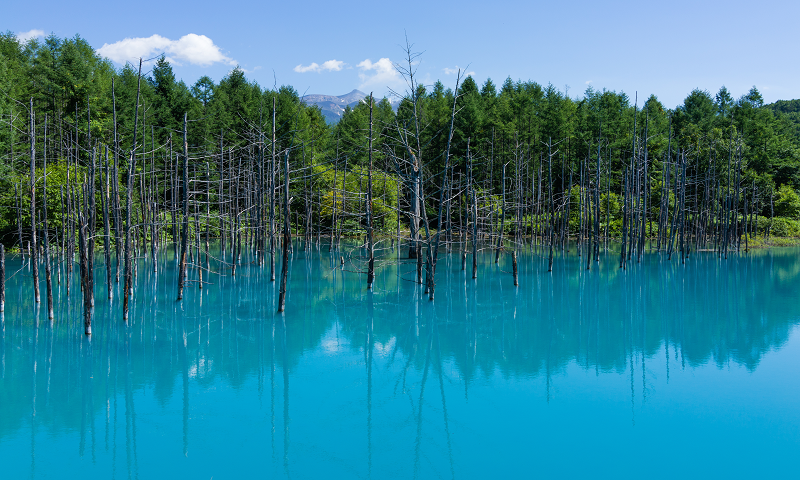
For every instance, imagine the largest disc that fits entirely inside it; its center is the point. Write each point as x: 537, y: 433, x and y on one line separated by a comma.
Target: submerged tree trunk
x: 2, y: 278
x: 185, y: 228
x: 287, y: 235
x: 368, y: 208
x: 128, y: 289
x: 502, y: 220
x: 442, y: 199
x: 85, y: 284
x: 45, y: 237
x: 107, y: 237
x: 34, y: 250
x: 272, y: 201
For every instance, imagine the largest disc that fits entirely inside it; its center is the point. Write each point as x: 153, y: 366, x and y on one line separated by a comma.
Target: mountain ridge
x: 333, y: 106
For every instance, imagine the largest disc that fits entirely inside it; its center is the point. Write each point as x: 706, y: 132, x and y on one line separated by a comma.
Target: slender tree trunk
x: 624, y: 218
x: 272, y: 201
x: 645, y: 184
x: 185, y: 231
x: 84, y: 261
x: 474, y: 209
x: 502, y: 220
x: 107, y: 239
x: 552, y: 203
x: 34, y: 250
x: 368, y: 208
x: 128, y: 291
x: 597, y: 206
x: 2, y: 278
x: 117, y: 210
x: 434, y: 257
x: 287, y: 234
x: 45, y: 234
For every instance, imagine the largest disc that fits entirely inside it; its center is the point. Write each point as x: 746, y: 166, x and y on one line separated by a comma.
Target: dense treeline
x: 121, y: 159
x: 71, y: 87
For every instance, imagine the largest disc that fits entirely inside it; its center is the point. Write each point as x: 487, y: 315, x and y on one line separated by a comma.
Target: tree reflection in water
x: 223, y: 343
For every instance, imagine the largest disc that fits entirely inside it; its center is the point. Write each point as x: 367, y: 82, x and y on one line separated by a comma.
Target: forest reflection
x: 604, y: 320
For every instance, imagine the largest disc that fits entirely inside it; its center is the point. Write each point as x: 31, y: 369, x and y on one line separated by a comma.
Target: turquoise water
x: 660, y: 371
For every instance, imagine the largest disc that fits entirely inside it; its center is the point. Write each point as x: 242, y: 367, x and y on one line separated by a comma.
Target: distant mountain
x: 333, y: 106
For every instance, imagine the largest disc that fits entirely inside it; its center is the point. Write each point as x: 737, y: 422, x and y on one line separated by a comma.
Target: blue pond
x: 660, y: 371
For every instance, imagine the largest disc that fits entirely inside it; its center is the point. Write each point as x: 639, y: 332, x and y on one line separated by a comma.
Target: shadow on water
x: 172, y: 355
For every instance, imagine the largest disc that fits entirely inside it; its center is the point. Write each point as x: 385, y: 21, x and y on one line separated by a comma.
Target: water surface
x: 660, y: 371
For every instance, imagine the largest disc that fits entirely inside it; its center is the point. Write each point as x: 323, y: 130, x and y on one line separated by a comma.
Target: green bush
x: 778, y: 227
x: 784, y: 227
x: 787, y: 203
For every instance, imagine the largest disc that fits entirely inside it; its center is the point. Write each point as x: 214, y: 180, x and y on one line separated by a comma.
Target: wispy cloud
x: 192, y: 48
x: 314, y: 67
x: 587, y: 82
x: 23, y: 37
x: 379, y: 74
x: 330, y: 65
x: 453, y: 71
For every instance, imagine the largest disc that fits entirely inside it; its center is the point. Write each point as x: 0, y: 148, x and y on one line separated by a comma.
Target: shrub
x: 787, y: 204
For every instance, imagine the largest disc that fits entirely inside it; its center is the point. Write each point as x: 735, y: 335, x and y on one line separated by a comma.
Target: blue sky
x: 664, y: 48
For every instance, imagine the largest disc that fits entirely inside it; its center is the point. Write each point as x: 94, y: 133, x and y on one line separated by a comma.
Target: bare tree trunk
x: 502, y: 220
x: 92, y: 214
x: 552, y: 204
x: 434, y: 257
x: 415, y: 212
x: 117, y: 209
x: 2, y: 278
x: 514, y: 267
x: 131, y: 169
x: 18, y: 209
x: 272, y: 201
x: 334, y: 204
x: 85, y: 284
x: 683, y: 207
x: 646, y: 183
x: 34, y: 250
x: 107, y: 239
x: 474, y: 209
x: 624, y: 218
x: 185, y: 231
x: 45, y: 237
x: 368, y: 207
x: 597, y: 206
x: 287, y: 234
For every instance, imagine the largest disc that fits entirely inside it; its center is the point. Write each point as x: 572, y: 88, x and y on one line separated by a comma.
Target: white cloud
x: 314, y: 67
x: 453, y: 71
x: 192, y: 48
x: 379, y: 74
x: 23, y: 37
x: 333, y: 65
x: 330, y: 65
x: 587, y: 82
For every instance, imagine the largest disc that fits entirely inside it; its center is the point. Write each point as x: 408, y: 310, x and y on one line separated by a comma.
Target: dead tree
x: 34, y: 250
x: 185, y: 230
x: 442, y: 192
x: 368, y: 208
x: 45, y: 238
x: 287, y: 234
x: 2, y: 278
x: 129, y: 205
x: 107, y: 233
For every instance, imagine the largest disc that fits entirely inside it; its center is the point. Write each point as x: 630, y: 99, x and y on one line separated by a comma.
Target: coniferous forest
x: 123, y: 163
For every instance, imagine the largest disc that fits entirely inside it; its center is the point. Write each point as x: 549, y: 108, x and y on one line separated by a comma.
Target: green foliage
x: 347, y: 189
x: 778, y: 227
x: 787, y: 203
x: 504, y: 124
